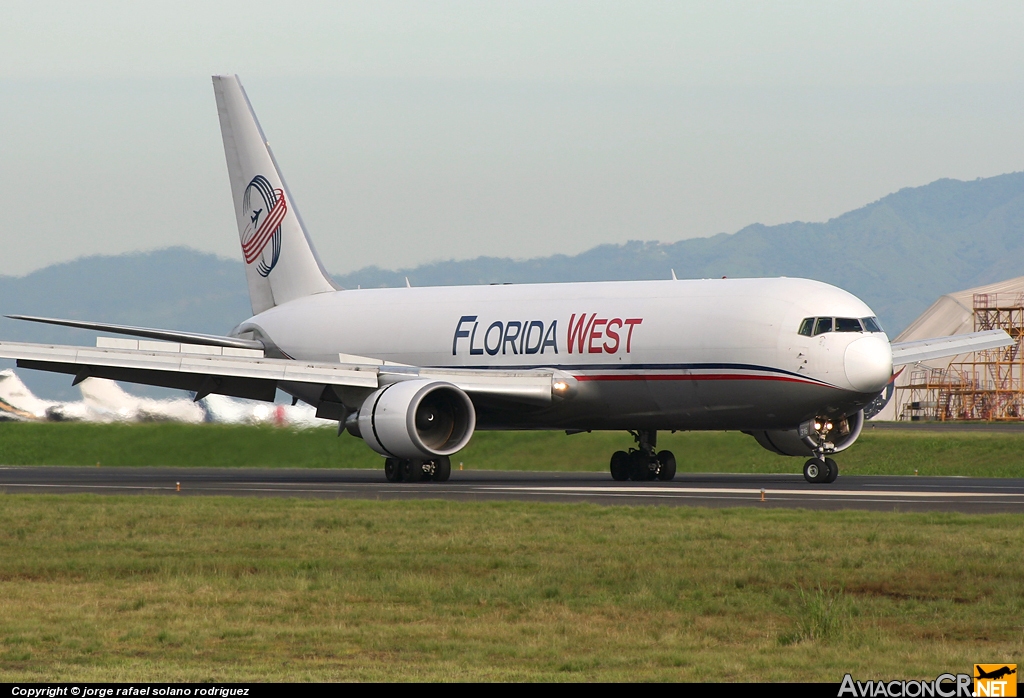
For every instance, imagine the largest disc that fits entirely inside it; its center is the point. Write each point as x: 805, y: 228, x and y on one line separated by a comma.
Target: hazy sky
x: 415, y: 131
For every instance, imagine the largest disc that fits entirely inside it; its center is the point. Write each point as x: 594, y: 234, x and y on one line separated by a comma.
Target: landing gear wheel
x: 639, y: 466
x: 833, y: 470
x: 815, y: 470
x: 667, y: 465
x: 412, y: 470
x: 393, y: 469
x: 442, y: 469
x: 620, y: 466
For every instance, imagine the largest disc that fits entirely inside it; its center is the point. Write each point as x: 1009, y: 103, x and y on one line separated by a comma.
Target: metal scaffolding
x: 988, y: 385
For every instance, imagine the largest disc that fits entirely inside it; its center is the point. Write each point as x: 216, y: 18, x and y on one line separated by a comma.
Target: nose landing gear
x: 643, y: 463
x: 819, y: 470
x: 822, y: 469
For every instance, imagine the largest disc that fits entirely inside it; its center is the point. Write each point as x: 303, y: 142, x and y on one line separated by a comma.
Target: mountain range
x: 898, y: 254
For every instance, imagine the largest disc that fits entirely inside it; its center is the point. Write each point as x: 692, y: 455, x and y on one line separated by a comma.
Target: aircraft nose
x: 868, y: 363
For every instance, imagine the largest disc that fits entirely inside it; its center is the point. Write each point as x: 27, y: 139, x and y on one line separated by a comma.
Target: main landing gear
x: 437, y: 469
x: 642, y: 463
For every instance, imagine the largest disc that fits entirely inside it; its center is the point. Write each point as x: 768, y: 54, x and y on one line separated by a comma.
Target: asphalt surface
x: 879, y: 493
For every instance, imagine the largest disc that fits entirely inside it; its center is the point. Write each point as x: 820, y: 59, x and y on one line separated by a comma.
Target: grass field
x: 214, y: 589
x: 96, y: 588
x: 898, y: 452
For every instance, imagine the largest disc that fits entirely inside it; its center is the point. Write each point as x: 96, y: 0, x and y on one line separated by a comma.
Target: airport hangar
x: 979, y: 386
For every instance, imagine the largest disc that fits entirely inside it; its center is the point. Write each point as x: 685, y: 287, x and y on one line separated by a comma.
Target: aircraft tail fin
x: 17, y: 401
x: 281, y: 263
x: 106, y: 395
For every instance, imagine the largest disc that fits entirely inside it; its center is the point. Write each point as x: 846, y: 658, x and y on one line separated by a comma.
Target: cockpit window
x: 813, y: 326
x: 822, y: 325
x: 871, y: 324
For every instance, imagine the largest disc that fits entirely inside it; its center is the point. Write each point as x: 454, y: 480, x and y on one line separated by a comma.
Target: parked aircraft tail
x: 281, y: 263
x: 226, y: 410
x: 17, y: 402
x: 106, y: 396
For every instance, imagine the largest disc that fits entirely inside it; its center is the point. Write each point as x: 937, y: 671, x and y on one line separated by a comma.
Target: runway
x: 879, y: 493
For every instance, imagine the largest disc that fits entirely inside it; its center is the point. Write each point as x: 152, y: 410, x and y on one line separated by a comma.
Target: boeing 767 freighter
x: 415, y: 371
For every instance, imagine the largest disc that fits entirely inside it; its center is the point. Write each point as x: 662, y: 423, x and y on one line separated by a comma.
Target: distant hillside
x: 175, y: 288
x: 898, y: 254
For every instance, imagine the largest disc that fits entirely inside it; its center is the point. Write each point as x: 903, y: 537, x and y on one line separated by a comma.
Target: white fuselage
x: 694, y: 354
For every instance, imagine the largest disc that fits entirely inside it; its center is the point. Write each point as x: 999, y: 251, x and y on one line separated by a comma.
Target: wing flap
x: 232, y: 386
x: 157, y: 367
x: 257, y: 378
x: 940, y: 347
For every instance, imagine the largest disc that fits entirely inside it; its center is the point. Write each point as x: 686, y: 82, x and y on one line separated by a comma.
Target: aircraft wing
x: 924, y: 349
x: 246, y: 373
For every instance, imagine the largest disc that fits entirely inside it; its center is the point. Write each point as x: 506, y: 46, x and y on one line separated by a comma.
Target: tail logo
x: 265, y: 207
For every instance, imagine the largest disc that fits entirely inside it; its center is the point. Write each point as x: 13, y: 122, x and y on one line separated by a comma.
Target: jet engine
x: 416, y: 419
x: 838, y: 436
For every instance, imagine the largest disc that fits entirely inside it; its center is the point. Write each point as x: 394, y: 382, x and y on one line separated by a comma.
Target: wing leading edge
x: 212, y: 340
x: 904, y: 353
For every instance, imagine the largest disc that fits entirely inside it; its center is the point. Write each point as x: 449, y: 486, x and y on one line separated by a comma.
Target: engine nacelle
x: 417, y: 419
x: 801, y: 441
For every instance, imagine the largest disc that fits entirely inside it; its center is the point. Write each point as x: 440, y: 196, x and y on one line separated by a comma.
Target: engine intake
x: 801, y: 441
x: 417, y: 419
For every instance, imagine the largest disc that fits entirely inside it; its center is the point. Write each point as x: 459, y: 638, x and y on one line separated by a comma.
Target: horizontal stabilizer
x: 940, y: 347
x: 210, y: 340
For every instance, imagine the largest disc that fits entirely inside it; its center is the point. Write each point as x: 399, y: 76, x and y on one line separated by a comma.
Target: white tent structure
x: 951, y: 314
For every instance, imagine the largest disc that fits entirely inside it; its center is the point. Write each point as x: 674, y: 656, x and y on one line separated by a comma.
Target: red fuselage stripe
x: 690, y: 377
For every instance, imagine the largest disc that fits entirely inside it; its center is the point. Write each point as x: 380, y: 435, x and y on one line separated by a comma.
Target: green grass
x: 216, y: 589
x: 899, y: 452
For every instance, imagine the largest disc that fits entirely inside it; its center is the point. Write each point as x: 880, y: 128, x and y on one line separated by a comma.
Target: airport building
x: 984, y: 385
